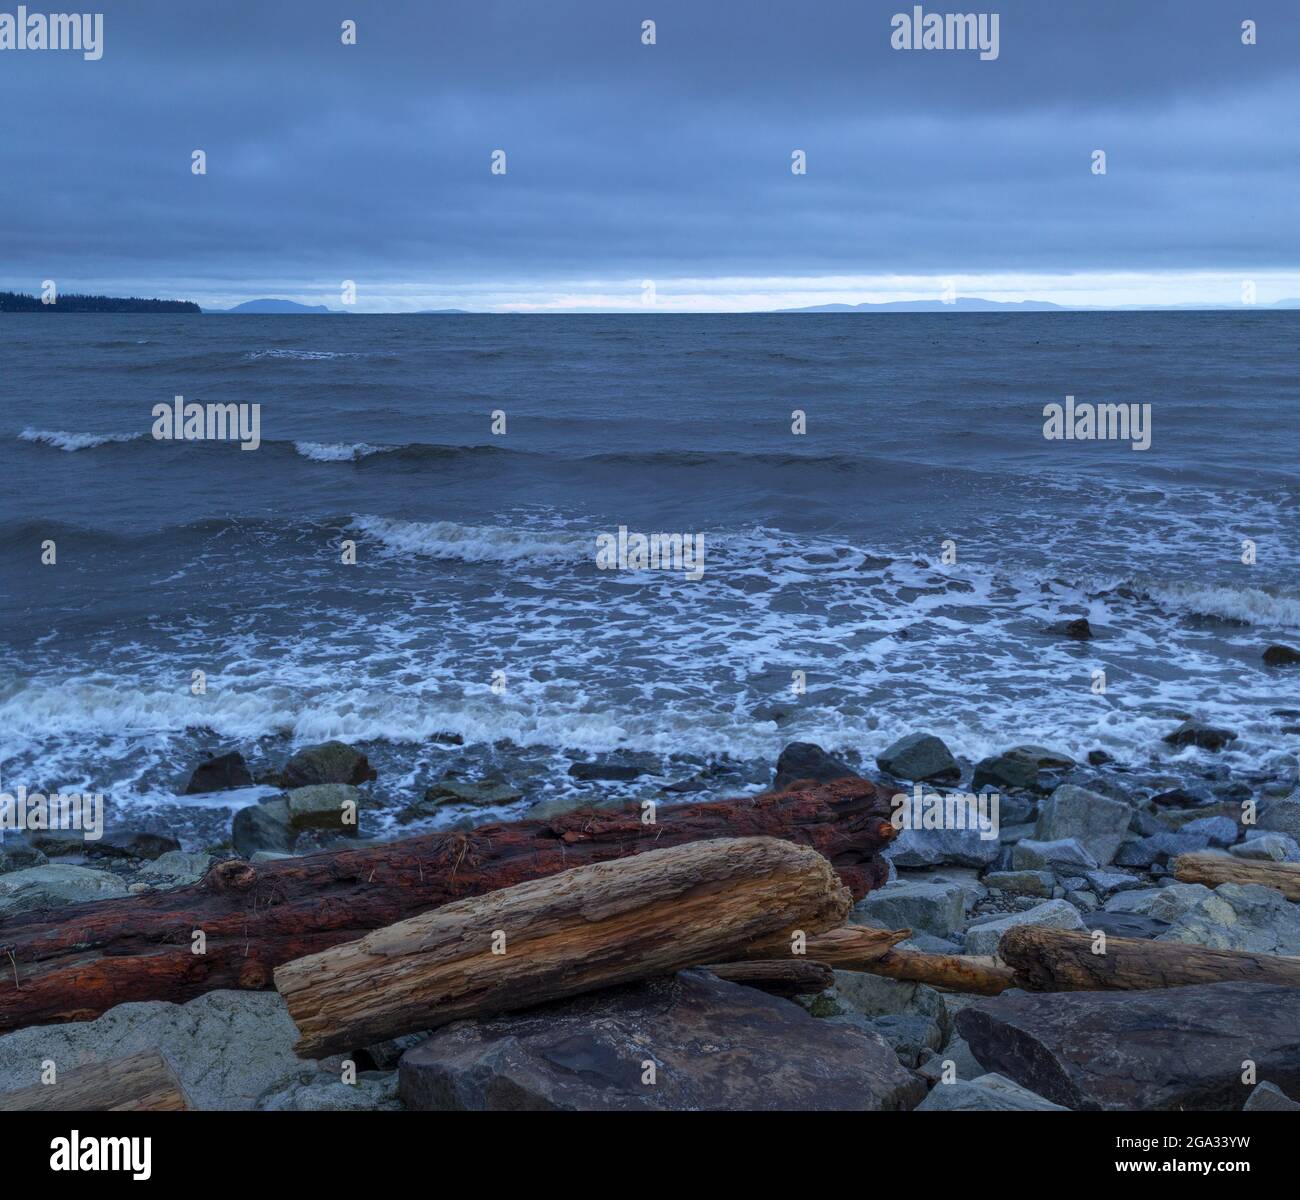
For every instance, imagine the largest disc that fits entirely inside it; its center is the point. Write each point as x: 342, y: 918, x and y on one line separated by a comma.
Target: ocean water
x: 476, y: 553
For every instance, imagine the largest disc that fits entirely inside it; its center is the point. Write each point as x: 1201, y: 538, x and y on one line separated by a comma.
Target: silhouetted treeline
x: 72, y: 302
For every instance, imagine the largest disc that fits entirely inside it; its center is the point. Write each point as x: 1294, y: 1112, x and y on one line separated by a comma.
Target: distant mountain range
x: 274, y: 306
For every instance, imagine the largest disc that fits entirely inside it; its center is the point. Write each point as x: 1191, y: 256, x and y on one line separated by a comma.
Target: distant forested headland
x: 17, y: 302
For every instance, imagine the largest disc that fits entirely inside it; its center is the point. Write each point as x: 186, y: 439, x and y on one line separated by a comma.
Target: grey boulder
x: 1096, y: 822
x: 921, y: 757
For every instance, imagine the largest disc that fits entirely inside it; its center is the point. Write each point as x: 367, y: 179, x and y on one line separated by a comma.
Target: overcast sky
x: 670, y: 162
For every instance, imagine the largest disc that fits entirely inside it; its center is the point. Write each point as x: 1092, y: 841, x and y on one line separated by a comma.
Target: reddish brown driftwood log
x: 581, y: 930
x: 779, y: 976
x: 73, y: 963
x: 141, y: 1083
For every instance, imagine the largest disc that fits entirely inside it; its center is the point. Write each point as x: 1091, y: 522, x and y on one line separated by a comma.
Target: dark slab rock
x: 330, y: 762
x: 1194, y: 733
x: 1166, y: 1049
x: 1078, y: 629
x: 140, y: 845
x: 804, y: 760
x: 1125, y: 925
x: 1281, y: 656
x: 617, y: 769
x: 714, y: 1046
x: 1010, y: 770
x: 922, y: 757
x: 220, y: 774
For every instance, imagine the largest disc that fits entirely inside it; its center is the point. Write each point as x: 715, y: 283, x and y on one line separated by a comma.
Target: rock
x: 374, y: 1091
x: 1054, y: 914
x: 1218, y: 831
x: 1096, y: 822
x: 1281, y: 815
x: 1194, y: 733
x: 226, y: 1048
x: 1127, y: 925
x: 17, y: 853
x: 1268, y: 847
x: 935, y: 847
x: 1231, y: 917
x: 921, y: 757
x: 1064, y: 856
x: 986, y: 1093
x: 1078, y: 629
x: 57, y: 883
x: 263, y: 826
x: 482, y: 794
x: 131, y: 845
x: 1268, y: 1097
x: 713, y: 1046
x: 1159, y: 848
x: 558, y: 806
x: 1164, y: 1049
x: 1107, y: 883
x: 384, y: 1056
x: 630, y: 767
x: 330, y: 762
x: 912, y: 1038
x: 1281, y: 656
x: 1006, y: 771
x: 1022, y: 883
x: 1099, y: 758
x: 1179, y: 798
x: 1043, y: 758
x: 333, y: 806
x: 923, y: 906
x: 804, y: 760
x: 175, y: 869
x: 220, y: 774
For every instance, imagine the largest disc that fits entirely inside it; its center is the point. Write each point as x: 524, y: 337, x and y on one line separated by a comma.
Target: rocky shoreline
x: 1079, y: 846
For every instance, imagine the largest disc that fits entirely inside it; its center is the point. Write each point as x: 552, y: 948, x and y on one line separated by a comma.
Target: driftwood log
x: 1213, y: 869
x: 1059, y: 960
x: 73, y: 963
x: 584, y: 929
x: 780, y: 977
x: 141, y: 1083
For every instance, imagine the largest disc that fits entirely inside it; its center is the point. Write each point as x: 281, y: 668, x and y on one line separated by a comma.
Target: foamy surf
x: 475, y: 543
x: 63, y: 440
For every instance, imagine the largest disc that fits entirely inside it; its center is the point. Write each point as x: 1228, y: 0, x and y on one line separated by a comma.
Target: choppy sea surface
x: 476, y: 552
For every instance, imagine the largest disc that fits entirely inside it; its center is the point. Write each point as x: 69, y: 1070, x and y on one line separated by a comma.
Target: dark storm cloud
x: 328, y: 162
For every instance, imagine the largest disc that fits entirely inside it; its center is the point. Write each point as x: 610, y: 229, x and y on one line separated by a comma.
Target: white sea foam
x: 339, y: 451
x: 63, y: 440
x: 1254, y: 606
x: 476, y: 543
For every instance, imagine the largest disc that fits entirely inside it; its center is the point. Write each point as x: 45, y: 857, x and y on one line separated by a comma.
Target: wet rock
x: 713, y: 1045
x: 176, y: 868
x: 1099, y: 758
x: 226, y: 1048
x: 1094, y: 821
x: 617, y: 770
x: 17, y: 853
x: 260, y: 827
x: 55, y: 884
x: 1002, y: 771
x: 220, y: 774
x: 804, y: 760
x: 1043, y: 758
x: 330, y: 762
x: 985, y: 1093
x: 558, y: 806
x: 1078, y: 629
x: 131, y: 845
x: 923, y: 906
x: 481, y: 794
x: 1196, y: 733
x: 921, y: 757
x: 1268, y: 1097
x: 333, y: 806
x: 1281, y: 656
x: 1065, y: 856
x: 1179, y: 798
x: 1164, y: 1049
x: 1054, y: 914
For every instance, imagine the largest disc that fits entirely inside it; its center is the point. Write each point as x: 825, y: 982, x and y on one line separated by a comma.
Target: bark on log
x: 547, y: 939
x: 75, y: 962
x: 788, y: 977
x: 140, y: 1083
x: 1058, y: 960
x: 843, y: 947
x: 1214, y: 869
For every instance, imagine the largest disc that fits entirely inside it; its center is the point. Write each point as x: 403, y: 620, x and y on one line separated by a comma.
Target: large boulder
x: 1054, y: 914
x: 803, y: 760
x: 985, y: 1093
x: 712, y: 1045
x: 176, y: 868
x: 55, y: 884
x: 1065, y: 856
x: 483, y: 793
x: 330, y: 762
x: 334, y: 806
x: 1197, y: 733
x: 1231, y: 917
x: 942, y: 847
x: 264, y: 826
x: 1014, y: 769
x: 1095, y: 821
x: 1164, y: 1049
x: 220, y: 774
x: 1281, y: 656
x: 1281, y: 815
x: 921, y: 757
x: 923, y: 906
x: 226, y: 1048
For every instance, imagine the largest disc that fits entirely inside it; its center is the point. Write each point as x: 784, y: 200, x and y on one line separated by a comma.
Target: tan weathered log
x: 139, y: 1083
x: 1060, y: 960
x: 73, y: 962
x: 843, y: 947
x: 547, y: 939
x: 780, y: 977
x: 1213, y: 869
